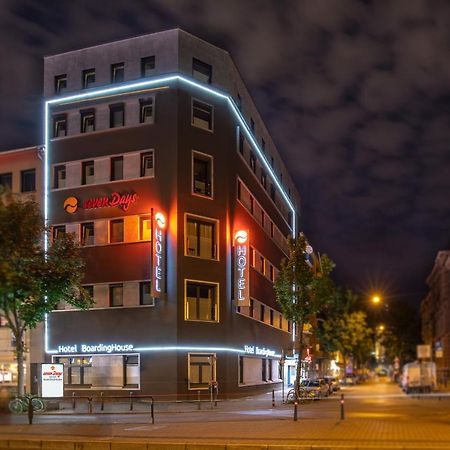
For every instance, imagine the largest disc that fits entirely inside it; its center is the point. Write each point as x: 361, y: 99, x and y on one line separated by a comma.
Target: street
x: 377, y: 415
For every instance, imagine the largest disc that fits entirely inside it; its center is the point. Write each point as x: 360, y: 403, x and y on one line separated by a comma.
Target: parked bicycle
x: 19, y: 405
x: 303, y: 396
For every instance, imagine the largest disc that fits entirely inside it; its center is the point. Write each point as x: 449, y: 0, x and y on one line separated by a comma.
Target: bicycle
x: 20, y: 405
x: 303, y: 396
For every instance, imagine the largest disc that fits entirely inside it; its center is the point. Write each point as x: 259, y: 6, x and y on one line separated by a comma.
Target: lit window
x: 87, y: 121
x: 262, y: 265
x: 252, y: 257
x: 60, y: 84
x: 87, y: 233
x: 60, y: 126
x: 202, y: 174
x: 60, y: 176
x: 201, y: 238
x: 145, y: 228
x: 117, y: 72
x: 117, y: 168
x: 145, y: 295
x: 116, y: 231
x: 147, y: 66
x: 147, y: 164
x: 87, y: 172
x: 58, y: 231
x: 202, y: 115
x: 146, y: 110
x: 88, y: 78
x: 6, y: 180
x: 116, y: 295
x: 201, y: 71
x: 28, y: 180
x: 252, y: 162
x: 202, y: 370
x: 116, y: 115
x: 201, y: 301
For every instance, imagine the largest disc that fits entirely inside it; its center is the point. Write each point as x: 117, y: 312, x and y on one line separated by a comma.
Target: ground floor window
x: 101, y: 371
x: 258, y: 370
x: 202, y: 370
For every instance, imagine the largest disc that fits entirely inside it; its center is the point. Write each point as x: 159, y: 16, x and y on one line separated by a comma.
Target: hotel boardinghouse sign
x: 98, y: 348
x: 116, y: 199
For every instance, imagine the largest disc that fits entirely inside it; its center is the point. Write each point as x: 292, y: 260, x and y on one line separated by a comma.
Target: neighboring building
x: 435, y: 315
x: 21, y: 174
x: 161, y: 165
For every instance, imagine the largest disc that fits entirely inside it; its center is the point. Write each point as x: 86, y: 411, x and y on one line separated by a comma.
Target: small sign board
x: 423, y: 351
x: 439, y: 353
x: 52, y: 380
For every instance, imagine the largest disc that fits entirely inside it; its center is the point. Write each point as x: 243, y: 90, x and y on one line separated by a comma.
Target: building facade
x: 21, y: 175
x: 435, y: 315
x: 158, y: 161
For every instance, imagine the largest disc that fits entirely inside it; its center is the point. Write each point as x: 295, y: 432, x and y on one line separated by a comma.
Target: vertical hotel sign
x: 158, y: 254
x: 241, y: 268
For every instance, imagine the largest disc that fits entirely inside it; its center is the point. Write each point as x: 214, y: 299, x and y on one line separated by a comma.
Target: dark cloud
x: 355, y: 93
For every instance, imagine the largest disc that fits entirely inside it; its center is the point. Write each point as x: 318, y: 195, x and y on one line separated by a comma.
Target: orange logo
x: 71, y: 205
x: 160, y: 220
x: 241, y: 236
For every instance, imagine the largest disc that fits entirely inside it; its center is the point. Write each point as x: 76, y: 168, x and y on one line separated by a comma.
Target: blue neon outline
x: 127, y: 87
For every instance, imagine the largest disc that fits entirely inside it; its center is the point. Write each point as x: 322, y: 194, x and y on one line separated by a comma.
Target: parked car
x: 334, y: 383
x: 318, y: 387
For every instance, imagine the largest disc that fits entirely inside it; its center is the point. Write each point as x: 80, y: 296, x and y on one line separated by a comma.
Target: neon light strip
x: 134, y: 86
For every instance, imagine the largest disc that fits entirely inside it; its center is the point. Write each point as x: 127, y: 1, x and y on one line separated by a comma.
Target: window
x: 271, y: 230
x: 145, y: 228
x: 87, y: 233
x: 146, y: 110
x: 252, y: 257
x: 58, y: 231
x: 263, y: 179
x: 202, y: 115
x: 117, y: 72
x: 59, y: 176
x: 251, y: 309
x: 201, y: 71
x: 262, y: 265
x: 271, y: 317
x: 59, y: 126
x: 241, y: 143
x: 89, y: 289
x: 271, y: 273
x: 289, y: 326
x: 117, y: 168
x: 28, y: 180
x: 145, y: 297
x: 60, y: 83
x: 202, y: 370
x: 77, y: 370
x: 202, y: 169
x: 261, y: 313
x: 116, y: 115
x: 280, y: 321
x: 201, y: 238
x: 6, y: 180
x: 263, y: 370
x: 252, y: 162
x: 263, y: 145
x: 147, y: 66
x: 87, y: 121
x: 116, y: 295
x: 263, y: 218
x: 131, y: 372
x: 116, y: 231
x: 201, y: 302
x: 87, y: 172
x: 252, y: 125
x: 147, y: 164
x: 88, y: 78
x: 272, y: 191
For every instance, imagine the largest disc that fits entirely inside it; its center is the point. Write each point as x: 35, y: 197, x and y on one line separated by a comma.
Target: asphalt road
x: 377, y: 415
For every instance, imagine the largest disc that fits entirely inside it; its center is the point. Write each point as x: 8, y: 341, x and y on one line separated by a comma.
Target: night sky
x: 356, y: 95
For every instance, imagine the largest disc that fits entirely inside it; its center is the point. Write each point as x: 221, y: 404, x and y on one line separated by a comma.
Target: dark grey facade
x: 150, y: 130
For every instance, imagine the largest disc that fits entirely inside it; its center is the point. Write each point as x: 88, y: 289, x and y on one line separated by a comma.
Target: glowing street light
x: 376, y: 299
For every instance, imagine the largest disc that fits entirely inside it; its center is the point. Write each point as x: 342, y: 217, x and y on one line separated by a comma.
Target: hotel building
x: 159, y: 162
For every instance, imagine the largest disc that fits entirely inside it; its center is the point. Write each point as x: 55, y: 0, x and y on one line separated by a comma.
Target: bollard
x: 295, y: 410
x: 73, y: 400
x: 273, y: 398
x: 152, y: 412
x: 30, y: 410
x: 131, y: 401
x: 102, y: 403
x: 199, y: 404
x: 211, y: 395
x: 216, y: 394
x: 342, y: 407
x: 90, y: 405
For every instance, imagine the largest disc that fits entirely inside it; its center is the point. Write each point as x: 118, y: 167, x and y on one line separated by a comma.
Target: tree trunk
x: 300, y: 353
x: 20, y: 354
x: 344, y: 359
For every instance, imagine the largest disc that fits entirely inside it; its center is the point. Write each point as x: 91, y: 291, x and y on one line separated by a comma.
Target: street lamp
x: 376, y: 299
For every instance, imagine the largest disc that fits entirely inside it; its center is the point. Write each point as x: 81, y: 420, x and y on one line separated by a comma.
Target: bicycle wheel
x: 38, y: 404
x: 291, y: 397
x: 16, y: 406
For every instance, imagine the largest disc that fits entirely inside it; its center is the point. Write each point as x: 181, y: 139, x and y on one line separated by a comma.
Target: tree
x: 302, y: 290
x: 33, y: 282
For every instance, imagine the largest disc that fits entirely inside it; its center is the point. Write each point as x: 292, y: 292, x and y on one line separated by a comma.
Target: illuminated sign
x: 253, y: 350
x: 241, y: 268
x: 52, y: 380
x: 97, y: 348
x: 159, y: 244
x: 123, y: 201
